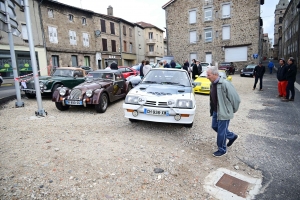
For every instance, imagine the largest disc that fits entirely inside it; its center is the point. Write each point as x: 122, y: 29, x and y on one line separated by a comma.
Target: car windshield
x: 100, y: 75
x: 250, y: 67
x: 167, y: 77
x: 204, y: 64
x: 63, y: 72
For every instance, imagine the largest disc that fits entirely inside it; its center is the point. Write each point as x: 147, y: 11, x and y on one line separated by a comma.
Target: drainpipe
x: 167, y: 34
x: 120, y: 33
x: 298, y: 43
x: 42, y: 26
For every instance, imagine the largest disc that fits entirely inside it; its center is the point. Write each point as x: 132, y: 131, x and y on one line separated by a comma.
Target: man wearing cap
x: 291, y: 78
x: 281, y: 77
x: 258, y: 73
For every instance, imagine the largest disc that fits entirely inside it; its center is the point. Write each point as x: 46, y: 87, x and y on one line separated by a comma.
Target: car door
x: 118, y: 86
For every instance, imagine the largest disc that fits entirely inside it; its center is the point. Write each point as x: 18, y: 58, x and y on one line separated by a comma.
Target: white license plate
x: 30, y: 91
x: 155, y: 112
x: 205, y: 88
x: 73, y: 102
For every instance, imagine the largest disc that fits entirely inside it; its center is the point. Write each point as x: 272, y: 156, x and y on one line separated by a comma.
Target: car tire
x: 129, y: 87
x: 103, y: 103
x: 133, y: 120
x: 61, y: 107
x: 189, y: 125
x: 30, y: 96
x: 55, y: 87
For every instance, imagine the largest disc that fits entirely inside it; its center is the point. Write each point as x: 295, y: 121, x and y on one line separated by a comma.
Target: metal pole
x: 41, y: 111
x: 19, y: 103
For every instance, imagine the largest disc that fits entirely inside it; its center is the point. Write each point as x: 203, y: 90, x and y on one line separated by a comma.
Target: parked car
x: 248, y: 70
x: 87, y: 69
x: 229, y: 67
x: 164, y: 95
x: 178, y: 66
x: 202, y: 83
x: 127, y: 71
x: 205, y: 65
x: 136, y: 67
x: 66, y: 76
x: 100, y: 88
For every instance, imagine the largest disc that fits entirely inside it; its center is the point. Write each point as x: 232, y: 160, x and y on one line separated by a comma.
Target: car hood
x: 248, y: 69
x: 163, y: 91
x: 92, y: 85
x: 202, y: 80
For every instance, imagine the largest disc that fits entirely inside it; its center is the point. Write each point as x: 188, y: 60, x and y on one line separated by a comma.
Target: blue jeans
x: 221, y: 127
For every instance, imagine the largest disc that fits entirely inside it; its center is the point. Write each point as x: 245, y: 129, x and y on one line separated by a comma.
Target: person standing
x: 291, y: 78
x: 224, y: 102
x: 166, y: 64
x: 186, y: 65
x: 160, y: 65
x: 141, y: 69
x: 113, y: 66
x: 146, y: 68
x: 270, y: 66
x: 199, y: 67
x: 281, y: 77
x: 194, y: 70
x: 173, y: 64
x: 258, y: 73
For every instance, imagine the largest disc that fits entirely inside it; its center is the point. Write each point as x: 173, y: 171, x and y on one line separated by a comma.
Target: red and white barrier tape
x: 24, y: 80
x: 26, y: 75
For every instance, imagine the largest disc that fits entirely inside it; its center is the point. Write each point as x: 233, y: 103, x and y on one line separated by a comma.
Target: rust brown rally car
x: 100, y: 88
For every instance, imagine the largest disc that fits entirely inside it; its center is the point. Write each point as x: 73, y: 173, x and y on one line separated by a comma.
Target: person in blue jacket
x: 270, y: 66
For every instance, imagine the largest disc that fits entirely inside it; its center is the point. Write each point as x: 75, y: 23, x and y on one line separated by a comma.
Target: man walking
x: 270, y: 66
x: 224, y: 101
x: 281, y: 77
x: 258, y: 73
x: 291, y: 78
x: 141, y: 69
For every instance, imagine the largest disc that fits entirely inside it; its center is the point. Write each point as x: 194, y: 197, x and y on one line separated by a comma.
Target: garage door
x: 236, y: 54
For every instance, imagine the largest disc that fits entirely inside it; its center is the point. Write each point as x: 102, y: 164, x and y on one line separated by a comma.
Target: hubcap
x: 104, y: 102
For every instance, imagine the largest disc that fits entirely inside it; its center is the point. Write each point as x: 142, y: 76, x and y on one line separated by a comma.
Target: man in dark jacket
x: 281, y: 77
x: 113, y: 66
x: 173, y: 64
x: 258, y: 73
x: 194, y: 70
x: 199, y: 67
x: 141, y: 69
x: 186, y: 65
x: 166, y: 64
x: 291, y: 78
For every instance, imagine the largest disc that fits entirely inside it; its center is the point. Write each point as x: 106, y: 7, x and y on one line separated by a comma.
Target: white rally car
x: 164, y: 95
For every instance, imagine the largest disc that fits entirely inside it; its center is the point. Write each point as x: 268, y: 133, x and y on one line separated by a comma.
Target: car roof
x: 105, y: 70
x: 72, y: 68
x: 170, y: 69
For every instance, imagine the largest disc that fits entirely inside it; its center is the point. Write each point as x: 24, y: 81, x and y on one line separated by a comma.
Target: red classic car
x: 100, y: 88
x: 127, y: 71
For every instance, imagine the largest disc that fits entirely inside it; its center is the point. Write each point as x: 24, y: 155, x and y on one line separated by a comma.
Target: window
x: 217, y: 34
x: 208, y: 35
x: 226, y: 32
x: 130, y: 47
x: 225, y: 10
x: 192, y: 17
x: 160, y: 39
x: 207, y: 14
x: 193, y: 36
x: 50, y: 13
x: 150, y: 35
x: 85, y: 37
x: 72, y: 35
x: 112, y: 28
x: 193, y: 56
x: 125, y: 46
x: 130, y: 32
x: 103, y: 27
x: 71, y: 18
x: 24, y: 32
x: 124, y: 29
x: 55, y: 61
x: 83, y: 21
x: 113, y: 46
x: 139, y: 33
x: 74, y: 61
x: 280, y: 19
x: 86, y: 61
x: 151, y: 48
x: 104, y: 44
x: 156, y: 37
x: 52, y: 34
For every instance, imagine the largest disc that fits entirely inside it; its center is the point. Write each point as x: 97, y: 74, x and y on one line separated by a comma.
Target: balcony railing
x: 150, y: 41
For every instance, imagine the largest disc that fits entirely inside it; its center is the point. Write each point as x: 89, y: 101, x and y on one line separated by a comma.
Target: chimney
x: 110, y: 11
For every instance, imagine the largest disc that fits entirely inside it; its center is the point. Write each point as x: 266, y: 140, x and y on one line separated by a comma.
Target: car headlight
x: 62, y: 91
x: 41, y: 85
x: 185, y: 103
x: 242, y: 71
x: 89, y: 93
x: 132, y: 99
x: 198, y: 83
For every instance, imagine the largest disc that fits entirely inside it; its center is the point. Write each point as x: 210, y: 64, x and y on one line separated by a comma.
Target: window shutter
x: 104, y: 44
x: 74, y: 38
x: 112, y: 28
x: 193, y: 37
x: 55, y: 38
x: 226, y: 33
x: 192, y: 17
x: 50, y: 34
x: 226, y: 10
x: 87, y: 40
x: 71, y: 37
x: 113, y: 46
x: 103, y: 27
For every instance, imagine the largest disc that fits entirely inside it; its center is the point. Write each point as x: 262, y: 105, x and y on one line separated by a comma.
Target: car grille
x: 30, y: 85
x: 156, y: 104
x: 75, y: 94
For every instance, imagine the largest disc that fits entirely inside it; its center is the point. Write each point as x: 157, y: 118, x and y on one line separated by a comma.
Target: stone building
x: 279, y: 12
x: 266, y: 45
x: 214, y: 31
x: 140, y: 42
x: 290, y: 32
x: 154, y: 44
x: 21, y: 46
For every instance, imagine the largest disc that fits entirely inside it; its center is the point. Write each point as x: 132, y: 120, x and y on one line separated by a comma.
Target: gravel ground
x: 79, y: 154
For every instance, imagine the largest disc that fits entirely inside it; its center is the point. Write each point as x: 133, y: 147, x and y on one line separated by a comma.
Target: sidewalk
x: 8, y: 82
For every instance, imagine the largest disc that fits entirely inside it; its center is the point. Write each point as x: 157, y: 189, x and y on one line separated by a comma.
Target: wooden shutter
x: 50, y: 34
x: 103, y: 27
x: 54, y: 32
x: 113, y: 46
x: 104, y: 44
x: 112, y: 28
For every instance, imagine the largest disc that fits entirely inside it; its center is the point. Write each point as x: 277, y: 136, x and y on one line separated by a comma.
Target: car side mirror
x: 194, y: 84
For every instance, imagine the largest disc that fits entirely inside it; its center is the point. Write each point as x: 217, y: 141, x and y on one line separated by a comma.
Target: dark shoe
x: 285, y: 100
x: 218, y: 154
x: 232, y: 141
x: 291, y: 99
x: 261, y: 90
x: 279, y: 96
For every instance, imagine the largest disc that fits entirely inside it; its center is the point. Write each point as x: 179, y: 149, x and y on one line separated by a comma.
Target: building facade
x: 290, y: 32
x: 139, y: 43
x: 154, y: 43
x: 279, y: 12
x: 214, y: 31
x: 21, y: 44
x: 266, y: 46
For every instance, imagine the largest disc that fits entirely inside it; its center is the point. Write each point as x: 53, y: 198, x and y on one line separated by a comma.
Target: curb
x: 6, y: 84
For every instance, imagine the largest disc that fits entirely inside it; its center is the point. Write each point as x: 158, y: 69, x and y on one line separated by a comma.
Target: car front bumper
x: 186, y: 115
x: 202, y: 90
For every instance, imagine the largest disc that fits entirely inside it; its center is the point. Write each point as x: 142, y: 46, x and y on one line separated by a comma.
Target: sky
x: 151, y: 11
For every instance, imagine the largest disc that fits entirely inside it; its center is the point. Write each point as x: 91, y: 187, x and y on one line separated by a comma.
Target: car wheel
x: 189, y: 125
x: 30, y: 96
x: 132, y: 120
x: 55, y: 87
x: 61, y: 107
x: 103, y: 103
